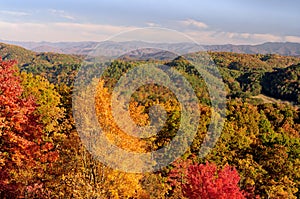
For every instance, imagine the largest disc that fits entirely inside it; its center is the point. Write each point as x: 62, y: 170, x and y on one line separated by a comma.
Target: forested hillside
x: 57, y: 68
x: 42, y: 156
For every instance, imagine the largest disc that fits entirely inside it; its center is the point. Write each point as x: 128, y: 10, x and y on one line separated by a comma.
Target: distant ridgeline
x: 111, y: 47
x: 245, y: 75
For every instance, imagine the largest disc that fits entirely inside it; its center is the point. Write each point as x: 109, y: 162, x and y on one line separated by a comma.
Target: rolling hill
x: 245, y: 75
x: 84, y: 48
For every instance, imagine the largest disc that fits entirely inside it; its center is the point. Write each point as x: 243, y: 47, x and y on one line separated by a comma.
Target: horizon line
x: 91, y: 41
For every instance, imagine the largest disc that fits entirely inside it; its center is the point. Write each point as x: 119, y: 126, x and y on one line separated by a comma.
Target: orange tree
x: 24, y: 155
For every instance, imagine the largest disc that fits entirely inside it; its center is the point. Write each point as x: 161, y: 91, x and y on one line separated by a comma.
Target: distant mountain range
x: 111, y: 48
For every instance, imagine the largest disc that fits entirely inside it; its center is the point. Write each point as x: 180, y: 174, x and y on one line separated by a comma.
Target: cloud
x: 152, y: 24
x: 71, y: 31
x: 221, y: 37
x: 13, y: 13
x: 61, y: 13
x: 193, y: 23
x: 58, y: 31
x: 292, y: 39
x: 252, y: 38
x: 267, y: 37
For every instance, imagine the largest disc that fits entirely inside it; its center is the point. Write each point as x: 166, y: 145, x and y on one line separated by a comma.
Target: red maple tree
x: 200, y: 181
x: 22, y: 149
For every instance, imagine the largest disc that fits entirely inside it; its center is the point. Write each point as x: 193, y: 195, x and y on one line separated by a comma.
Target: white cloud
x: 71, y: 31
x: 13, y: 13
x: 61, y: 13
x: 152, y: 24
x: 193, y: 23
x: 58, y: 31
x: 217, y: 37
x: 292, y: 39
x: 267, y: 37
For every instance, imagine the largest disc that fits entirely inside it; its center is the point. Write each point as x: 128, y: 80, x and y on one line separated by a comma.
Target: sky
x: 206, y: 22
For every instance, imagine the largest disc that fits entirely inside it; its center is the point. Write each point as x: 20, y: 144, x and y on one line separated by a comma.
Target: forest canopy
x: 256, y: 156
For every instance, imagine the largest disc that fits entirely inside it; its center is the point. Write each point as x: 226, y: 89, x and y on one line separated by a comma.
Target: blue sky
x: 208, y: 22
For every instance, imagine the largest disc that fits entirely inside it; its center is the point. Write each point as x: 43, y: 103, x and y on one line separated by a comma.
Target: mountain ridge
x: 113, y: 48
x: 245, y: 75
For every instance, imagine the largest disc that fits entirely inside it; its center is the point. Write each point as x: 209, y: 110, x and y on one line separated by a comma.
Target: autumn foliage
x: 23, y: 152
x: 42, y: 154
x: 206, y: 180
